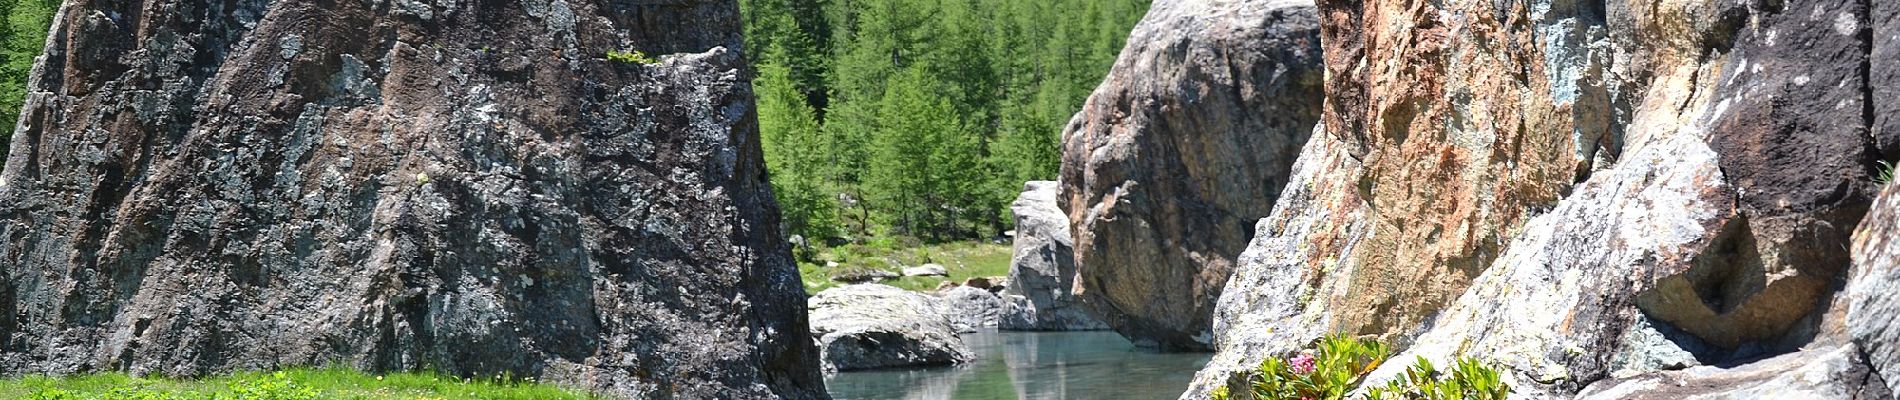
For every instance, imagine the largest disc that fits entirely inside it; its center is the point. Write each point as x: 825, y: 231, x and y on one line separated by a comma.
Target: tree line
x: 22, y: 37
x: 921, y: 118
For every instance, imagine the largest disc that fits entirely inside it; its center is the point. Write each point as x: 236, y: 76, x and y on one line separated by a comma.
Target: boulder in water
x: 870, y: 326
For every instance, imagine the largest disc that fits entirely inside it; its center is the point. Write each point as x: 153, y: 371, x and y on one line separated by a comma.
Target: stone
x: 1557, y: 307
x: 870, y: 326
x: 1834, y: 372
x: 1573, y: 191
x: 970, y: 309
x: 1042, y: 269
x: 1873, y: 290
x: 863, y: 275
x: 1183, y: 146
x: 207, y: 187
x: 927, y: 270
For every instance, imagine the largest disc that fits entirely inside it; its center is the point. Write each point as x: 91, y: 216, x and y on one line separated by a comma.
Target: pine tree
x: 22, y: 38
x: 933, y: 112
x: 794, y: 155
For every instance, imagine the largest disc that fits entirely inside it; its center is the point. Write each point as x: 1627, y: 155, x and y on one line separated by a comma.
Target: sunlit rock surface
x: 1181, y: 148
x: 469, y: 187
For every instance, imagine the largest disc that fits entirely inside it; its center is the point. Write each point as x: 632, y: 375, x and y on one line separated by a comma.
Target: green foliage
x: 1884, y: 174
x: 964, y: 260
x: 795, y: 153
x: 631, y: 57
x: 1470, y: 380
x: 22, y: 38
x: 932, y: 113
x: 295, y: 384
x: 277, y: 386
x: 1339, y: 364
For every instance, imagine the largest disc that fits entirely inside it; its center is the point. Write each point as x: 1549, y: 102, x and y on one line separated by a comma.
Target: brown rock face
x: 469, y: 187
x: 1185, y: 144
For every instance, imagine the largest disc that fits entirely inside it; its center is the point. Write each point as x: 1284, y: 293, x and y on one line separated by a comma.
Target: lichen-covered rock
x: 470, y: 187
x: 1873, y: 292
x: 1179, y: 151
x: 870, y: 326
x: 1557, y: 307
x: 1040, y: 295
x: 1554, y: 185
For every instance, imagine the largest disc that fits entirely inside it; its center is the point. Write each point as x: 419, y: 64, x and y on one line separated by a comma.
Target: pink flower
x: 1302, y: 364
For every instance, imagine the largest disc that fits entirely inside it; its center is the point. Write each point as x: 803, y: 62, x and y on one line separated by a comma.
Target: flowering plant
x: 1339, y: 364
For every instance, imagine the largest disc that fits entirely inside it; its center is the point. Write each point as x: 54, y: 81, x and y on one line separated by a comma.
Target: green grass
x: 295, y: 384
x: 964, y: 260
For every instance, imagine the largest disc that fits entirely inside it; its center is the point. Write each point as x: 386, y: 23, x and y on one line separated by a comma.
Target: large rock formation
x: 1184, y: 145
x: 1040, y: 295
x: 470, y: 187
x: 1571, y: 190
x: 871, y: 325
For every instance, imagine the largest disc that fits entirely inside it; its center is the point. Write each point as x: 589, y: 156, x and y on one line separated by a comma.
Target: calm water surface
x: 1033, y: 366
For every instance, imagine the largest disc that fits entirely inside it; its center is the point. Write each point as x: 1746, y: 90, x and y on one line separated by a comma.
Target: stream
x: 1033, y: 366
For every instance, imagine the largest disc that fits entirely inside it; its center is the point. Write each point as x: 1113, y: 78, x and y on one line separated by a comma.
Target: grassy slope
x: 299, y: 384
x: 964, y: 260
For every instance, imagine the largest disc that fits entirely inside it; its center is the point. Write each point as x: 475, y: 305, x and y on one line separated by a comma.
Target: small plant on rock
x: 1339, y: 364
x: 1885, y: 173
x: 1334, y: 368
x: 631, y: 57
x: 1470, y: 380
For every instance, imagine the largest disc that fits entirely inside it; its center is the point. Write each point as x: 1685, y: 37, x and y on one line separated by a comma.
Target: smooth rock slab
x: 1825, y: 373
x: 869, y: 326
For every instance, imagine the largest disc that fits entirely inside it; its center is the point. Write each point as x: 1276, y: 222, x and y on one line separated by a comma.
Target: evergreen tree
x: 933, y: 112
x: 924, y: 166
x: 22, y: 38
x: 794, y: 155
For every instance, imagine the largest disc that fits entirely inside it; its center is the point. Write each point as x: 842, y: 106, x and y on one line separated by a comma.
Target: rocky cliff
x: 470, y: 187
x: 1184, y: 145
x: 1579, y: 190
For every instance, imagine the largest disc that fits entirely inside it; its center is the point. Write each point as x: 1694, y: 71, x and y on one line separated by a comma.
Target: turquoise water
x: 1033, y: 366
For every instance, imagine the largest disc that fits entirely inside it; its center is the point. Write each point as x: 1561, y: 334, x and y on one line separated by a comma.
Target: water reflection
x: 1033, y: 366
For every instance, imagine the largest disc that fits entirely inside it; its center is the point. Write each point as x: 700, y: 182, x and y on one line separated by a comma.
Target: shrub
x: 1339, y: 364
x: 1471, y: 380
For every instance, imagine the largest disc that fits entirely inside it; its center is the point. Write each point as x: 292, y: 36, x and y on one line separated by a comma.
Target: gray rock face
x: 871, y: 326
x: 1185, y: 145
x: 970, y: 309
x: 1873, y: 293
x: 1884, y: 76
x: 471, y: 187
x: 1040, y: 295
